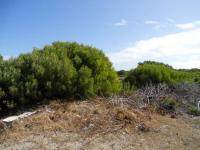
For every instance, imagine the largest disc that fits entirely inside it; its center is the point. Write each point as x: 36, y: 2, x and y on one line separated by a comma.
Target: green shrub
x: 105, y: 78
x: 168, y: 104
x: 85, y: 82
x: 127, y: 89
x: 151, y: 72
x: 60, y: 70
x: 122, y: 73
x: 193, y: 110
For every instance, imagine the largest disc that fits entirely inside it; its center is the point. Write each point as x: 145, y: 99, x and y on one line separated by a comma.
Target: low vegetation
x: 155, y: 73
x: 168, y: 104
x: 193, y: 110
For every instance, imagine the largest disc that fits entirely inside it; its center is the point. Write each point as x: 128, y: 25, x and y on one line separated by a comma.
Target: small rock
x: 142, y: 127
x: 91, y: 125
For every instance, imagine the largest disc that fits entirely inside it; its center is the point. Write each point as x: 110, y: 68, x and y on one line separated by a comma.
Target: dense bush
x: 122, y: 73
x: 61, y: 70
x: 155, y: 72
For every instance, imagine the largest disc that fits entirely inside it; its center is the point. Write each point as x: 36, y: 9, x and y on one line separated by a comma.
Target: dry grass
x: 88, y: 118
x: 97, y: 123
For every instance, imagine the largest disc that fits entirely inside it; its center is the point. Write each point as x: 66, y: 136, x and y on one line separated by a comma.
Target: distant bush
x: 193, y: 110
x: 122, y: 73
x: 60, y: 70
x: 151, y: 72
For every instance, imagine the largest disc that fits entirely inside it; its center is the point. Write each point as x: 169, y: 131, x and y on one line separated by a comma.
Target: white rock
x: 10, y: 119
x: 13, y: 118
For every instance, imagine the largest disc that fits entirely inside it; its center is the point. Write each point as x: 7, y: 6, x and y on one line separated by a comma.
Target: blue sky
x: 128, y: 31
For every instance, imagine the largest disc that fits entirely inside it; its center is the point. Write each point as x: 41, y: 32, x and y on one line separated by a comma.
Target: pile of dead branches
x: 188, y: 93
x: 149, y: 94
x: 185, y: 94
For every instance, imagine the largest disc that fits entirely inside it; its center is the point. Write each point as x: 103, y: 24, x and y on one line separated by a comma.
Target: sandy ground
x: 100, y: 125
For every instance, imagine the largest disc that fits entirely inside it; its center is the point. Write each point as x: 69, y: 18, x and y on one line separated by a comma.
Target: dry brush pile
x: 162, y: 97
x: 88, y: 118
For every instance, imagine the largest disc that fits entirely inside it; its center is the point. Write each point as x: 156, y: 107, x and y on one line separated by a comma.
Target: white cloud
x: 152, y: 22
x: 155, y: 24
x: 186, y: 26
x: 190, y: 25
x: 181, y: 50
x: 123, y: 22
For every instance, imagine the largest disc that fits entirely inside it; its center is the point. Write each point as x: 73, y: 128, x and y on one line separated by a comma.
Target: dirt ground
x: 98, y: 124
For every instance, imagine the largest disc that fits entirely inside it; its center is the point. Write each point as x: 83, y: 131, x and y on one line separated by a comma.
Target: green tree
x: 85, y: 86
x: 60, y: 70
x: 154, y: 72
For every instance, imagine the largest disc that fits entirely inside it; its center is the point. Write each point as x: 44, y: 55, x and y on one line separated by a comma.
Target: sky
x: 128, y: 31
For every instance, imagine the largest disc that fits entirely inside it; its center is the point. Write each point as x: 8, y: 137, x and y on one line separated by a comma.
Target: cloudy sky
x: 128, y: 31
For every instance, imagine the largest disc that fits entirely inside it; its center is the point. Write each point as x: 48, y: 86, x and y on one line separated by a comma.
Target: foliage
x: 168, y: 104
x: 122, y: 73
x: 193, y: 110
x: 127, y: 89
x: 155, y: 73
x: 60, y: 70
x: 85, y: 82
